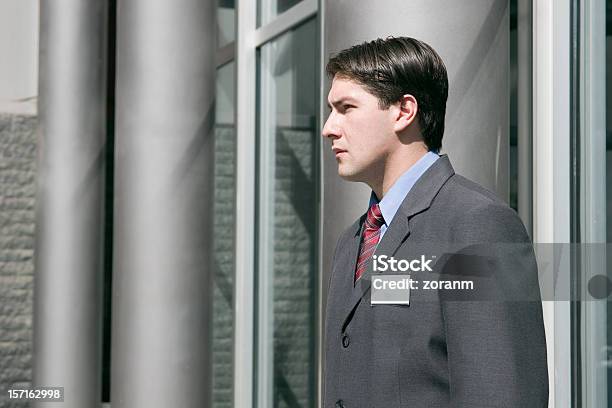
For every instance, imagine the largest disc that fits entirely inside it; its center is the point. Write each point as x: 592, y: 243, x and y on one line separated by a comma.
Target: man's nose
x: 330, y: 130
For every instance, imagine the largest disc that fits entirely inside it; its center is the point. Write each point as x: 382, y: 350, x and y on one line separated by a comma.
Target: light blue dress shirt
x: 398, y: 191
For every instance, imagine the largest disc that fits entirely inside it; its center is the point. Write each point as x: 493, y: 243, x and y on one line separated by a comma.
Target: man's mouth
x: 338, y: 151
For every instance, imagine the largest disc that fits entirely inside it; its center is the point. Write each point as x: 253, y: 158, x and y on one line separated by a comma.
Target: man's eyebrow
x: 341, y: 101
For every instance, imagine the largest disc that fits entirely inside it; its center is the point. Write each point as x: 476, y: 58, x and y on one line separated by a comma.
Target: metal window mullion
x: 551, y: 174
x: 246, y: 14
x: 285, y: 21
x: 266, y: 188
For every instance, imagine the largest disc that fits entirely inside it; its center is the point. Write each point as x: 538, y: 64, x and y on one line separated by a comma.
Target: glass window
x: 286, y: 283
x: 224, y: 192
x: 225, y: 23
x: 269, y: 9
x: 591, y: 102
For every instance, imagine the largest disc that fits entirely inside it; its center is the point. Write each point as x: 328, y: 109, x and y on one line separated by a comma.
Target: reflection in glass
x: 269, y: 9
x: 287, y: 141
x: 223, y: 208
x: 226, y: 26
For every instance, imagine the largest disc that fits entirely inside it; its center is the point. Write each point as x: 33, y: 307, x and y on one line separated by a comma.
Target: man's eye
x: 347, y: 107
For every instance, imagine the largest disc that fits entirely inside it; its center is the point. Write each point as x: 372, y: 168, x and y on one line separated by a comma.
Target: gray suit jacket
x: 448, y: 348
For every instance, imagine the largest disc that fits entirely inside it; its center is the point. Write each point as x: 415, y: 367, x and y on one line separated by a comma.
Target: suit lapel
x: 348, y: 260
x: 352, y: 253
x: 417, y: 200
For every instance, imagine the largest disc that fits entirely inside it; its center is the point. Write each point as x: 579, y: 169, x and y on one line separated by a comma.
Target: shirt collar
x: 402, y: 186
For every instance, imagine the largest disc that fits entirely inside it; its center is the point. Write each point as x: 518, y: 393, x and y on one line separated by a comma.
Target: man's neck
x: 395, y: 167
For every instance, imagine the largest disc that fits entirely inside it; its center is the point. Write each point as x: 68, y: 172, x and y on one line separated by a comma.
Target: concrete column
x: 69, y: 215
x: 162, y: 275
x: 472, y: 37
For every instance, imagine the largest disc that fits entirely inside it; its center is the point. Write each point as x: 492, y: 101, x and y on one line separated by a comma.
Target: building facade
x: 169, y: 210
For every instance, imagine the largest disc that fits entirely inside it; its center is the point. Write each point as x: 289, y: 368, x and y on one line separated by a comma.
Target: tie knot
x: 374, y: 219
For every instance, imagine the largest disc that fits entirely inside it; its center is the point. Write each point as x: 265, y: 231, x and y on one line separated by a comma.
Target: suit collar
x: 427, y: 187
x: 395, y: 195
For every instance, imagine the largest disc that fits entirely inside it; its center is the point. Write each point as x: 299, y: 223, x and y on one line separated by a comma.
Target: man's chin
x: 348, y: 176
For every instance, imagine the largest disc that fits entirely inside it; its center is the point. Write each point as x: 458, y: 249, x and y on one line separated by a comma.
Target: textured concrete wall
x: 222, y: 342
x: 294, y: 268
x: 17, y: 192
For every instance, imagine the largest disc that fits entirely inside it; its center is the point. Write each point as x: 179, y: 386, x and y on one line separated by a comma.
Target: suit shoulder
x: 469, y: 193
x: 480, y: 215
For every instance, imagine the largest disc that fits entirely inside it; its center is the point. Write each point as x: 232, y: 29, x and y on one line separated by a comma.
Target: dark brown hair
x: 396, y: 66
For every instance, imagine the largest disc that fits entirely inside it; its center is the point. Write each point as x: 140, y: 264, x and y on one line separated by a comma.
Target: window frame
x: 249, y: 38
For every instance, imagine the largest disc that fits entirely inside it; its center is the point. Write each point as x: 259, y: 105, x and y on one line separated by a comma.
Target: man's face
x: 361, y: 134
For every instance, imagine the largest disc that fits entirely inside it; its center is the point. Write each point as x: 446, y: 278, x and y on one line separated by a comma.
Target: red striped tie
x: 369, y: 239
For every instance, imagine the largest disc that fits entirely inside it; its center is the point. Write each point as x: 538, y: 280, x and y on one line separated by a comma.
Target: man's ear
x: 407, y: 113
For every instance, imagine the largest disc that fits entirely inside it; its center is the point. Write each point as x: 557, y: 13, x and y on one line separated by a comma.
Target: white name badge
x: 391, y: 289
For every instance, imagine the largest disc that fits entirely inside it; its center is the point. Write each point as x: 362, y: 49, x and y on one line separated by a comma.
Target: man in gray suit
x: 465, y: 329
